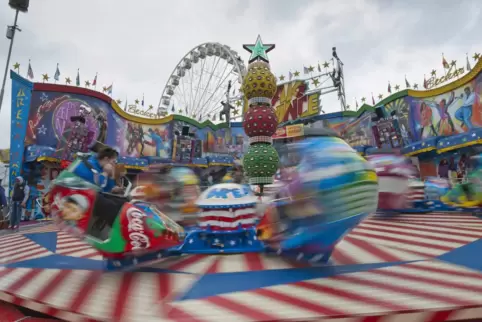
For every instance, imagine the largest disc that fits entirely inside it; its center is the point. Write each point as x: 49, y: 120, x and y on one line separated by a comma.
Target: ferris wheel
x: 207, y: 77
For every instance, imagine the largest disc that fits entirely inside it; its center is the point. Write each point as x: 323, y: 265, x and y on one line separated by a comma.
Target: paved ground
x: 410, y: 267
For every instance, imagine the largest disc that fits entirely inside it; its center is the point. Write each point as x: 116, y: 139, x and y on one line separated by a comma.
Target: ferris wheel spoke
x: 187, y: 106
x: 199, y: 79
x: 182, y: 97
x: 222, y: 81
x: 196, y: 88
x: 191, y: 98
x: 216, y: 88
x: 209, y: 80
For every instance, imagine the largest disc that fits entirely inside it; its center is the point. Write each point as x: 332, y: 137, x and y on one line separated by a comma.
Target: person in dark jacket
x: 3, y: 199
x: 20, y: 196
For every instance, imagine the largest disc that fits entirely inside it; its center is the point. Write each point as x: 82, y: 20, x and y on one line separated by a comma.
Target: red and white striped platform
x: 424, y: 290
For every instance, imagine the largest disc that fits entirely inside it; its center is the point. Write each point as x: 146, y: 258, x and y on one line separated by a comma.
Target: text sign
x: 452, y: 73
x: 133, y: 109
x: 223, y: 193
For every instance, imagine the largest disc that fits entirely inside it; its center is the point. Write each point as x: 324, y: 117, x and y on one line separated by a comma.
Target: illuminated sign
x: 134, y: 110
x: 452, y: 73
x: 289, y: 131
x: 290, y: 101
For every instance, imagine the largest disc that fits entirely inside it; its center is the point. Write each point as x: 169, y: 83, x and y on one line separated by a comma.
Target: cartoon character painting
x: 73, y: 208
x: 450, y: 113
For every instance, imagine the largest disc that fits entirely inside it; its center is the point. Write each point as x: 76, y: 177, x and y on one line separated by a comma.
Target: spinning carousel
x: 361, y: 267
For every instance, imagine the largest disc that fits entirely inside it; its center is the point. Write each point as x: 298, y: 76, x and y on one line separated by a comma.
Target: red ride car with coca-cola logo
x: 110, y: 223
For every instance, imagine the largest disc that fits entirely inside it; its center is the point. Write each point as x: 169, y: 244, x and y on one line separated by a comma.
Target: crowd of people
x: 102, y: 170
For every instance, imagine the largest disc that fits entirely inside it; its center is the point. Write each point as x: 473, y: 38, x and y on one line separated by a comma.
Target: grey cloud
x: 137, y: 46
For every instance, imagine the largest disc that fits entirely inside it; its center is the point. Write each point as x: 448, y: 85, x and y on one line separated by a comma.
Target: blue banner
x: 21, y: 96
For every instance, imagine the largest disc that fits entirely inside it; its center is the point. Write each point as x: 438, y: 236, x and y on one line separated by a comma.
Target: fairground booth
x: 438, y: 128
x: 52, y: 124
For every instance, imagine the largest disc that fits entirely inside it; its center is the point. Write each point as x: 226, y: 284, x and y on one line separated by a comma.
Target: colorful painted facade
x: 54, y: 122
x: 48, y: 115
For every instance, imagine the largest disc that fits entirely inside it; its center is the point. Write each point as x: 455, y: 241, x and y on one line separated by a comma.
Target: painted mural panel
x: 451, y: 113
x: 337, y: 124
x: 358, y: 132
x: 231, y: 141
x: 402, y: 108
x: 73, y: 123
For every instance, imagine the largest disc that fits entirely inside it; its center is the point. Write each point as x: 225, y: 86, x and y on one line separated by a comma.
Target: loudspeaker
x: 20, y: 5
x: 380, y: 112
x: 185, y: 130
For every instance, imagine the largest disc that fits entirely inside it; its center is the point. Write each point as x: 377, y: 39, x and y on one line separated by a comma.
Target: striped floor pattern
x: 426, y: 290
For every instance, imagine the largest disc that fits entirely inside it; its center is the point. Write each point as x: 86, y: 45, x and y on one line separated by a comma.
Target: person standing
x: 20, y: 196
x: 3, y: 200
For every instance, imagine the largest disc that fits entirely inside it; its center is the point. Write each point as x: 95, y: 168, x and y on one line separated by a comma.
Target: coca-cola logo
x: 135, y: 228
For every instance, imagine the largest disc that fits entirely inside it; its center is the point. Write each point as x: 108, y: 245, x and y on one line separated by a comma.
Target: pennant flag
x: 306, y: 70
x: 468, y: 63
x: 125, y: 105
x: 319, y: 67
x: 389, y: 88
x: 57, y: 73
x: 30, y: 71
x: 109, y: 89
x: 290, y: 75
x: 444, y: 62
x: 142, y: 99
x: 425, y: 84
x: 356, y: 103
x: 173, y: 109
x: 407, y: 84
x: 94, y: 82
x: 77, y: 80
x: 373, y: 100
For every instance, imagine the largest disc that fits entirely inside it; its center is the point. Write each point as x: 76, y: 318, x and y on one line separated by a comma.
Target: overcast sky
x: 137, y: 46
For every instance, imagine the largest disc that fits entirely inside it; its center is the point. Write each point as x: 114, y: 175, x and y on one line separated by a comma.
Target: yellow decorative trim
x: 223, y: 164
x: 451, y: 86
x: 40, y: 159
x: 420, y: 151
x: 134, y: 167
x: 138, y: 119
x: 458, y: 146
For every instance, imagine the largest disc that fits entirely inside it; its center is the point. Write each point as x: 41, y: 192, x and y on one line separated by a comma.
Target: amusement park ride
x: 342, y: 237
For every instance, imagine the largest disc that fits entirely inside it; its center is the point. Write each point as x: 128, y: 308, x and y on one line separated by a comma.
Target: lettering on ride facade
x: 132, y: 109
x: 223, y: 193
x: 452, y: 73
x: 135, y: 229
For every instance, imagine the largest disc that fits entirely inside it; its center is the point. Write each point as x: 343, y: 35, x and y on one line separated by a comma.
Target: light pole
x: 10, y: 35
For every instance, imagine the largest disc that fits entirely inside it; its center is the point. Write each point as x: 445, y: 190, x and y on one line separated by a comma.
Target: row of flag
x: 307, y: 70
x: 45, y: 77
x: 446, y: 66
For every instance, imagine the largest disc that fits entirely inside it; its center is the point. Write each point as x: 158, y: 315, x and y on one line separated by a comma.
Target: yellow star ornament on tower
x: 136, y: 101
x: 45, y: 77
x: 16, y: 66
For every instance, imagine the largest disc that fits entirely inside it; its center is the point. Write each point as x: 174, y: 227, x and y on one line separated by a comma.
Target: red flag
x: 444, y: 62
x: 95, y: 80
x: 425, y: 84
x: 389, y: 88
